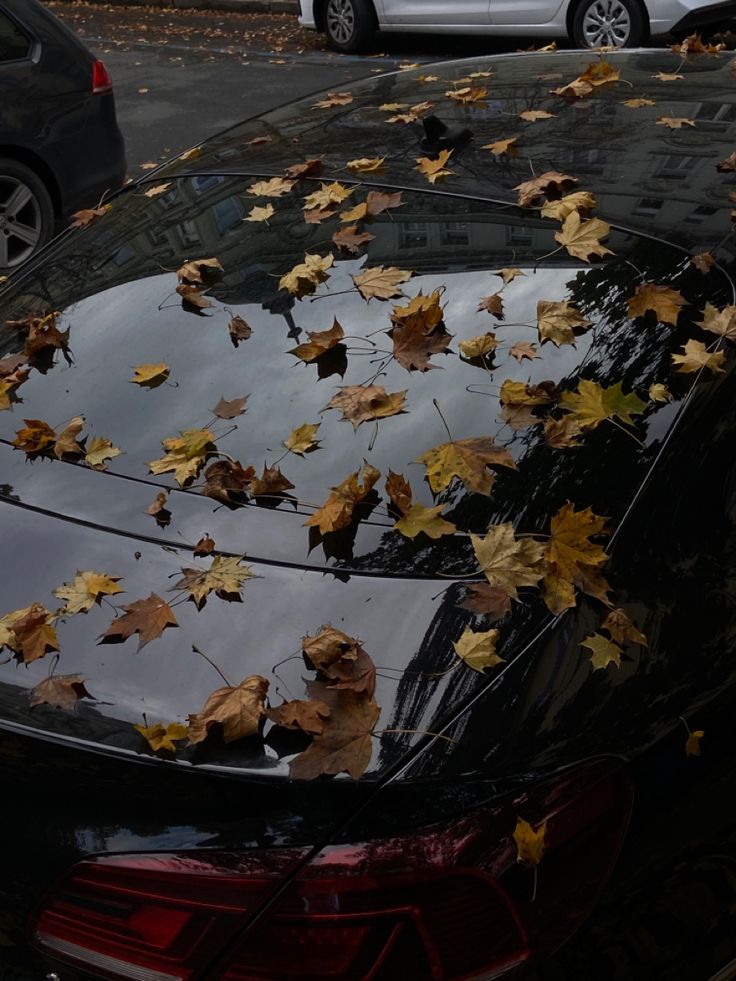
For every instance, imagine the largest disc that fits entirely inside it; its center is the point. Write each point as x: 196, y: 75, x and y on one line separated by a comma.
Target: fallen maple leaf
x: 414, y: 342
x: 204, y: 547
x: 303, y: 439
x: 146, y: 617
x: 487, y: 600
x: 158, y: 510
x: 435, y: 170
x: 35, y: 437
x: 29, y: 632
x: 604, y: 651
x: 66, y: 442
x: 582, y: 238
x: 320, y: 341
x: 423, y: 312
x: 479, y: 346
x: 720, y: 322
x: 667, y: 76
x: 659, y: 393
x: 230, y: 409
x: 530, y: 844
x: 692, y: 743
x: 238, y: 710
x: 381, y: 282
x: 338, y: 510
x: 534, y: 115
x: 276, y: 187
x: 328, y: 194
x: 592, y: 404
x: 150, y: 375
x: 550, y: 183
x: 260, y: 214
x: 579, y: 201
x: 523, y: 349
x: 663, y: 301
x: 365, y: 403
x: 345, y: 745
x: 365, y: 165
x: 638, y: 103
x: 200, y: 272
x: 227, y: 480
x: 507, y: 561
x: 399, y: 492
x: 422, y: 520
x: 153, y: 192
x: 306, y: 276
x: 507, y: 146
x: 98, y: 451
x: 271, y: 483
x: 509, y: 273
x: 563, y: 433
x: 161, y: 737
x: 478, y: 648
x: 573, y: 560
x: 225, y: 577
x: 696, y: 356
x: 559, y: 321
x: 185, y: 454
x: 239, y: 330
x: 86, y: 589
x: 308, y: 168
x: 621, y: 629
x: 341, y: 659
x: 87, y: 215
x: 61, y: 691
x: 728, y: 165
x: 674, y: 122
x: 466, y: 459
x: 468, y: 95
x: 351, y: 238
x: 309, y: 717
x: 334, y: 99
x: 492, y: 304
x: 702, y: 261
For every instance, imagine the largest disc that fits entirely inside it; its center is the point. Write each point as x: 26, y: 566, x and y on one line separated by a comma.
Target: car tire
x: 26, y: 213
x: 601, y: 22
x: 349, y: 24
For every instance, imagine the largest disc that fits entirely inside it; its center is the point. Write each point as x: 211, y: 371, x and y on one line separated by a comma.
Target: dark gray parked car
x: 60, y: 145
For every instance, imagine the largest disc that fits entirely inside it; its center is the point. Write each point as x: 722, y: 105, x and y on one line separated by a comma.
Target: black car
x: 60, y: 146
x: 369, y: 541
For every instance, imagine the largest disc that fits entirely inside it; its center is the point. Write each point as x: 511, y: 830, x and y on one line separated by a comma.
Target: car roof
x: 646, y: 175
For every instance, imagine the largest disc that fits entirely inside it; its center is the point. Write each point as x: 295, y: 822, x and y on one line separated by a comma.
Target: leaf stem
x: 212, y: 663
x: 436, y: 404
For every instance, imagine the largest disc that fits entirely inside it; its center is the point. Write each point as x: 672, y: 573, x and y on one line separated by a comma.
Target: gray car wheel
x: 26, y: 213
x: 349, y: 24
x: 615, y: 23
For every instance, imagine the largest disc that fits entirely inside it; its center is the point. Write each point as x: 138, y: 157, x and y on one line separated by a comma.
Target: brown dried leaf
x: 158, y: 510
x: 559, y: 321
x: 238, y: 710
x: 663, y: 301
x: 271, y: 483
x: 582, y: 238
x: 381, y: 282
x: 338, y: 510
x: 550, y: 184
x: 523, y: 349
x: 621, y: 629
x: 61, y: 691
x: 399, y: 491
x: 146, y: 617
x: 230, y: 409
x: 466, y: 460
x: 309, y: 716
x: 364, y: 403
x: 487, y: 600
x: 239, y: 330
x: 204, y: 547
x: 696, y: 356
x: 350, y: 239
x: 435, y: 170
x: 492, y: 304
x: 224, y: 578
x: 320, y: 341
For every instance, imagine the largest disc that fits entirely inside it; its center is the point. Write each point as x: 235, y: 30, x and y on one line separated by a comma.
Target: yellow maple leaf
x: 674, y: 122
x: 99, y: 451
x: 185, y: 454
x: 582, y: 238
x: 86, y: 589
x: 327, y: 195
x: 530, y: 844
x: 477, y: 648
x: 435, y: 170
x: 150, y: 375
x: 381, y: 282
x: 577, y: 201
x: 535, y: 115
x: 663, y: 301
x: 260, y: 214
x: 239, y: 710
x: 161, y: 737
x: 604, y: 651
x: 480, y: 346
x: 466, y: 459
x: 696, y: 356
x: 559, y: 321
x: 720, y: 322
x: 304, y: 278
x: 507, y: 146
x: 365, y: 403
x: 366, y: 165
x: 303, y: 439
x: 338, y: 510
x: 422, y: 520
x: 275, y: 187
x: 573, y: 560
x: 508, y: 561
x: 592, y: 404
x: 225, y: 577
x: 638, y: 103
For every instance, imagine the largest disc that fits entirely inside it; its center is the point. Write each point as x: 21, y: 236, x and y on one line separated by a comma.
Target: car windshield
x: 114, y: 286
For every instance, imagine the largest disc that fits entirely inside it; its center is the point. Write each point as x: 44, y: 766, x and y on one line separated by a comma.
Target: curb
x: 232, y: 6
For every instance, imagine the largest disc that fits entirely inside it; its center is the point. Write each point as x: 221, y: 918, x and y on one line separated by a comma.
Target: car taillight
x: 101, y: 79
x: 444, y: 903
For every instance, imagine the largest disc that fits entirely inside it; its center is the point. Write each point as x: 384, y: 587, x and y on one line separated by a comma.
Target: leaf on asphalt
x: 674, y: 122
x: 230, y: 409
x: 334, y: 99
x: 365, y: 403
x: 338, y: 510
x: 486, y: 600
x: 530, y: 844
x: 663, y: 301
x: 86, y: 589
x: 276, y: 187
x: 303, y: 439
x: 239, y: 330
x: 260, y: 214
x: 422, y: 520
x: 98, y: 451
x: 365, y: 165
x: 346, y: 743
x: 506, y: 561
x: 621, y: 629
x: 573, y: 560
x: 535, y: 115
x: 695, y: 356
x: 551, y: 184
x: 592, y: 404
x: 238, y: 711
x: 507, y: 146
x: 204, y: 547
x: 720, y: 322
x: 319, y: 343
x: 61, y: 691
x: 492, y: 304
x: 150, y: 375
x: 523, y: 349
x: 185, y: 454
x: 158, y: 510
x: 341, y: 659
x: 163, y: 737
x: 582, y: 239
x: 435, y: 170
x: 603, y: 651
x: 306, y: 276
x: 560, y: 321
x: 308, y: 716
x: 224, y: 578
x: 146, y: 617
x: 381, y: 282
x: 467, y: 460
x: 477, y: 648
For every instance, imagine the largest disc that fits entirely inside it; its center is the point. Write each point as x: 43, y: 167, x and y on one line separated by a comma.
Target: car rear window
x: 114, y: 285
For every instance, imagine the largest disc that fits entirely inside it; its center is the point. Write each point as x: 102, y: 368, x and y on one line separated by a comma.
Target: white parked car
x: 350, y: 24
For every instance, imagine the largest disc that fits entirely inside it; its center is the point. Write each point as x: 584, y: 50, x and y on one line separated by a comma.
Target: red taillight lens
x: 101, y: 80
x: 445, y: 903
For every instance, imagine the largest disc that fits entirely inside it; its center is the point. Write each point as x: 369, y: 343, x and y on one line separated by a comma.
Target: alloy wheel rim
x: 606, y: 22
x: 341, y: 20
x: 20, y: 222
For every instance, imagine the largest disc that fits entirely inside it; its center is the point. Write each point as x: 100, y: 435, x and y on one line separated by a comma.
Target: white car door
x: 524, y: 11
x: 445, y: 13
